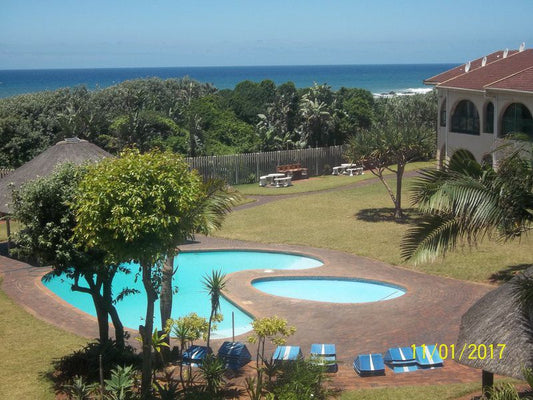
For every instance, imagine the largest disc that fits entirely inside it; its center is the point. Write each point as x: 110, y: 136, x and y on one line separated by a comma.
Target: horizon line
x: 225, y: 66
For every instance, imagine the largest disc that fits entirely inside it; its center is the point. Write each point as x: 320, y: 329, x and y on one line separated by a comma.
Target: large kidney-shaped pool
x: 332, y: 290
x: 191, y: 296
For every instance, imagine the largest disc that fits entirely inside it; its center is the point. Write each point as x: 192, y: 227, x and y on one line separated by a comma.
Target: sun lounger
x: 194, y: 355
x: 428, y: 357
x: 401, y: 359
x: 369, y: 365
x: 286, y: 353
x: 325, y: 355
x: 234, y: 354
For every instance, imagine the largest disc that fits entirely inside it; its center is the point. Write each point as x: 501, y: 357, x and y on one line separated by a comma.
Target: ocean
x: 379, y: 79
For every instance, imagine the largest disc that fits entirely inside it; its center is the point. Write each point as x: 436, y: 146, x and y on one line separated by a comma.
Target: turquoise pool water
x: 333, y: 290
x: 191, y: 296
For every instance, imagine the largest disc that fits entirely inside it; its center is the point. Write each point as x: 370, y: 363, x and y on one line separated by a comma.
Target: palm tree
x: 468, y: 201
x: 214, y: 284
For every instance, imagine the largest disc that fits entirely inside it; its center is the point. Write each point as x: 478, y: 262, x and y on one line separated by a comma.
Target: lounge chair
x: 428, y: 357
x: 234, y: 354
x: 194, y: 355
x: 401, y: 359
x: 324, y: 355
x: 369, y: 365
x: 287, y: 353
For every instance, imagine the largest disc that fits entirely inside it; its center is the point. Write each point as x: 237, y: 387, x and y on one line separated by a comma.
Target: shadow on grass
x: 506, y: 274
x: 386, y: 214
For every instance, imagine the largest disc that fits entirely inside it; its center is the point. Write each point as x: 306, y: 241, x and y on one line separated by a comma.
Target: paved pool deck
x: 429, y: 312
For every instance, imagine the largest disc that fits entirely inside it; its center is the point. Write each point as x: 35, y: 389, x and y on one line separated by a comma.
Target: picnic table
x: 347, y: 168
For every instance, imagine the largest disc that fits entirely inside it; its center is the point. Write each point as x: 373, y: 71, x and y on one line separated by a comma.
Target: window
x: 443, y: 113
x: 465, y: 118
x: 517, y: 119
x: 489, y: 118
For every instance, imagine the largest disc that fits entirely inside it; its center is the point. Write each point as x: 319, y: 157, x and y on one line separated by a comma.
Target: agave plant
x: 212, y: 370
x: 79, y: 389
x: 120, y: 386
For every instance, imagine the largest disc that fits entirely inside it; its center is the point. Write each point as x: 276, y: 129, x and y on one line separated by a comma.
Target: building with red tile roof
x: 483, y: 101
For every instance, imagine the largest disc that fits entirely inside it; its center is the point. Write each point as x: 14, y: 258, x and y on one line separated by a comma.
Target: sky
x: 166, y: 33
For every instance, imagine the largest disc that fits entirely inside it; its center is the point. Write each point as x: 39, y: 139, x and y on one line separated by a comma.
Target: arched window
x: 489, y: 118
x: 517, y: 119
x: 443, y: 113
x: 465, y: 118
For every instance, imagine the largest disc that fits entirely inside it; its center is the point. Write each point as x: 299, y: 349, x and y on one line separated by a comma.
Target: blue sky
x: 152, y: 33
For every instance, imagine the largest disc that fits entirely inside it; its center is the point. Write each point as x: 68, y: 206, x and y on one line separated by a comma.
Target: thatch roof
x: 75, y: 151
x: 498, y: 318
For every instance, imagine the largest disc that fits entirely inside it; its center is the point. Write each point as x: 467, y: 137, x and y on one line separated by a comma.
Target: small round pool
x: 331, y: 290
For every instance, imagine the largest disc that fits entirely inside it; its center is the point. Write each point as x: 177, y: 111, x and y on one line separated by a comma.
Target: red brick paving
x: 429, y: 312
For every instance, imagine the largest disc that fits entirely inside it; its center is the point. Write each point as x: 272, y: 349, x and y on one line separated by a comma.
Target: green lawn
x: 3, y: 229
x: 317, y: 183
x: 358, y: 220
x: 27, y: 348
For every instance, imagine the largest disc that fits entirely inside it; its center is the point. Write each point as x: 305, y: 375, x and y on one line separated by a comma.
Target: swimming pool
x: 191, y: 296
x: 332, y: 290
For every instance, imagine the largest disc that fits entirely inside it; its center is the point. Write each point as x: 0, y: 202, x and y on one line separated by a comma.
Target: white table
x: 270, y: 177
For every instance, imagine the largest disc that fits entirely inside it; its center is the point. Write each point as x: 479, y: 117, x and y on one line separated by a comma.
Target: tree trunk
x: 166, y: 295
x: 102, y: 317
x: 146, y: 331
x: 209, y: 329
x: 398, y: 213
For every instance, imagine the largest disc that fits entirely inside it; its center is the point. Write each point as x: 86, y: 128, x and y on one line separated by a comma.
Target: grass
x: 358, y: 220
x: 444, y: 392
x: 28, y: 347
x: 3, y: 229
x: 317, y: 183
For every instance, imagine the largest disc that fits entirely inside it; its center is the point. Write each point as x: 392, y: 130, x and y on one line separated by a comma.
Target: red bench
x: 294, y: 170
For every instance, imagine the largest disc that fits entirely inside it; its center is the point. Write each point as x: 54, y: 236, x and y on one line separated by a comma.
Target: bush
x: 299, y: 380
x: 85, y: 362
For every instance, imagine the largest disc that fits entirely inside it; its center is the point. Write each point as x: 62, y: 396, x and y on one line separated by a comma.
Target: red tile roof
x: 522, y: 81
x: 459, y: 70
x: 511, y: 73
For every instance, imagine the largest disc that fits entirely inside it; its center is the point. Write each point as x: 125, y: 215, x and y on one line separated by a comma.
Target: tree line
x: 188, y: 117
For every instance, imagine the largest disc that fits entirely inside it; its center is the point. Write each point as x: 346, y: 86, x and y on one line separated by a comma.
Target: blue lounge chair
x: 428, y: 357
x: 369, y: 365
x: 401, y: 359
x: 234, y: 354
x: 287, y: 353
x: 325, y: 355
x: 194, y: 355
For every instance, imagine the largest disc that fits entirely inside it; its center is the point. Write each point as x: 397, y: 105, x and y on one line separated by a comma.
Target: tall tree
x: 136, y: 207
x: 468, y: 201
x: 402, y: 134
x: 44, y: 207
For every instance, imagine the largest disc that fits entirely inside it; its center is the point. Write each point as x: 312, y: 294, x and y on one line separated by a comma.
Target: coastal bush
x: 184, y: 116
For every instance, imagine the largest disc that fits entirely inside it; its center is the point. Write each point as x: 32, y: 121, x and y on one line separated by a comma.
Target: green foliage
x: 85, y: 362
x: 79, y: 389
x: 214, y: 284
x: 300, y: 380
x: 212, y: 370
x: 275, y: 329
x: 137, y: 206
x: 190, y: 328
x: 120, y: 385
x: 465, y: 201
x: 505, y: 391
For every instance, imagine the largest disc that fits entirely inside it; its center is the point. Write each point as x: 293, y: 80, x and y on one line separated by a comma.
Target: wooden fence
x: 247, y: 168
x: 5, y: 171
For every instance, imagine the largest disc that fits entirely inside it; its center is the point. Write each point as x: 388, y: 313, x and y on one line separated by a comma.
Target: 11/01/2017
x: 472, y: 351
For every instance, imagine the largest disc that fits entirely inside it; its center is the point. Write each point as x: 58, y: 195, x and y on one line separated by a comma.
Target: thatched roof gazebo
x: 496, y: 319
x: 72, y: 150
